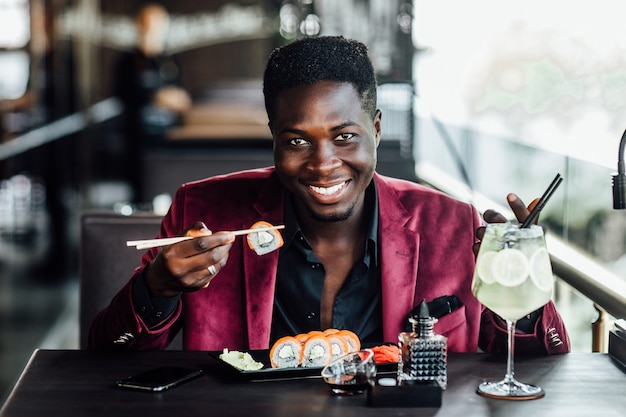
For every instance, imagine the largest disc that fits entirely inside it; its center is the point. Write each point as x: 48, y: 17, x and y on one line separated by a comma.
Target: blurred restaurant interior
x: 478, y: 98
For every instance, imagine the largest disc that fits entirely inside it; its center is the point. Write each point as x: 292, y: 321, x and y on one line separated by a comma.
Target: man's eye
x: 345, y: 136
x: 297, y: 142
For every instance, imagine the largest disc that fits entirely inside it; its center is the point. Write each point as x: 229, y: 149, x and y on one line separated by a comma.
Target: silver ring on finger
x: 212, y: 270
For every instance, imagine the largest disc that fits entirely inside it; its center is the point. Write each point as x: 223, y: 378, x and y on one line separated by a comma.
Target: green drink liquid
x: 513, y: 275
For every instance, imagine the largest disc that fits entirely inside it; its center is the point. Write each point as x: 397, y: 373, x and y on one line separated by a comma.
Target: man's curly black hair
x: 325, y: 58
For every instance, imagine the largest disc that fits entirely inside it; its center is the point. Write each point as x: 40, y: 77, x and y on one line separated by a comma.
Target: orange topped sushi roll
x: 353, y: 340
x: 301, y: 337
x: 265, y: 241
x: 316, y: 351
x: 286, y: 352
x: 339, y: 345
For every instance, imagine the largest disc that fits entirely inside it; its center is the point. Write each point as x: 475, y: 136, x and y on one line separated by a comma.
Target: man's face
x: 325, y: 148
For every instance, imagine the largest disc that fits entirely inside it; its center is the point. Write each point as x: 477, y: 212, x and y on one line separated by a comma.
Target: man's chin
x: 332, y: 217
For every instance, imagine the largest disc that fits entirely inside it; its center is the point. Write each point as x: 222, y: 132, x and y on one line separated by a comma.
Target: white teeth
x: 329, y: 190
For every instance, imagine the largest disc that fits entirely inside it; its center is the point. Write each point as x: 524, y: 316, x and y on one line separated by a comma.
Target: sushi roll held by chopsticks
x: 265, y: 241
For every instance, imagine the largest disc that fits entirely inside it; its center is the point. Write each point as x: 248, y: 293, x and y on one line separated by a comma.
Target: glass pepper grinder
x: 423, y: 353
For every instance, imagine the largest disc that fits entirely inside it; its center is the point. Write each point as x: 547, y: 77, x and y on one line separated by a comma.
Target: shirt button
x: 311, y: 315
x: 315, y: 266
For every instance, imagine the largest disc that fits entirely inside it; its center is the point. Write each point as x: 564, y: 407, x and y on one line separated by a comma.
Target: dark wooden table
x: 80, y: 383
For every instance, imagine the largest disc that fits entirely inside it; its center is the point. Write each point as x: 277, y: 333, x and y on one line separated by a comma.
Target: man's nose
x: 324, y: 157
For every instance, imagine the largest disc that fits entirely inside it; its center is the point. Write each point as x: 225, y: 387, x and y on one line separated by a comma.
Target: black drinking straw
x: 542, y: 201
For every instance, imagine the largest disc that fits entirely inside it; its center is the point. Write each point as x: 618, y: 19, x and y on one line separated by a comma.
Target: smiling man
x: 361, y: 250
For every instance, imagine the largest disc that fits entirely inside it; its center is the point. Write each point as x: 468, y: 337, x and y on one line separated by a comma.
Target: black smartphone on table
x: 159, y: 379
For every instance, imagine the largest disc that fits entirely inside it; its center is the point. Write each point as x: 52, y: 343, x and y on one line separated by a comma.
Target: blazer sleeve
x: 119, y: 326
x: 549, y: 336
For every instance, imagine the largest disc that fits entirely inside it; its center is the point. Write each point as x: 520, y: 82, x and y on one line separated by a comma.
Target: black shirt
x: 300, y: 279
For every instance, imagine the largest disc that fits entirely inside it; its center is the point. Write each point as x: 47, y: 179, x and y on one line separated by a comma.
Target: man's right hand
x: 189, y: 265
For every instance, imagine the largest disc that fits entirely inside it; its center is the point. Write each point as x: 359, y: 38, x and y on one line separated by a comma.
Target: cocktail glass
x: 513, y: 277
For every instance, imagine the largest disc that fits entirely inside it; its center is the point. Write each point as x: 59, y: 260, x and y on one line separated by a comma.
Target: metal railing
x: 605, y: 289
x: 96, y: 113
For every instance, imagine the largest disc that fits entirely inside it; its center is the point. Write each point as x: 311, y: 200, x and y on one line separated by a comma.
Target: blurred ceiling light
x: 289, y: 19
x: 14, y: 23
x: 14, y: 72
x: 310, y: 26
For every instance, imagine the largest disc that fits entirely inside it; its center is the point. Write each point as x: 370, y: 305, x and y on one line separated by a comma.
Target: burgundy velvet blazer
x: 425, y: 240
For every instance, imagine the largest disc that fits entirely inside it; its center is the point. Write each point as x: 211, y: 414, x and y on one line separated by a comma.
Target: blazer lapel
x: 260, y: 270
x: 399, y: 248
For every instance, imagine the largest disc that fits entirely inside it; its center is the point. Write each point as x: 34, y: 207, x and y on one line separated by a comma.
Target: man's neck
x: 352, y: 228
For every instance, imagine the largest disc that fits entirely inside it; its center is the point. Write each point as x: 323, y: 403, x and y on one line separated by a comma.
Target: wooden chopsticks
x: 155, y: 243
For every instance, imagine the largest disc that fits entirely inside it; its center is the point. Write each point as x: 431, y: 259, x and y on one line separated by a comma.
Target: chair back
x: 106, y: 263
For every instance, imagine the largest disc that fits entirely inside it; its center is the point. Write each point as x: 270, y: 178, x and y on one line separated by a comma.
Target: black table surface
x: 81, y: 383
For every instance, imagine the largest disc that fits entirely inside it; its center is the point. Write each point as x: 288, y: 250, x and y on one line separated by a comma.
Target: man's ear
x: 377, y: 123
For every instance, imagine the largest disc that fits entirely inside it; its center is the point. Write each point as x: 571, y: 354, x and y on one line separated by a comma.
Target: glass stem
x: 510, y: 328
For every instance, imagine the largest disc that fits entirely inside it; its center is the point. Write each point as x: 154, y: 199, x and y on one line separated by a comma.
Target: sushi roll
x: 302, y: 337
x: 286, y: 353
x: 330, y: 331
x: 314, y: 333
x: 265, y: 241
x: 316, y: 351
x: 353, y: 340
x: 339, y: 345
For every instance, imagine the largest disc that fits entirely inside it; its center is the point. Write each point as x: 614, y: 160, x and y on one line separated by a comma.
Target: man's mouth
x: 327, y: 190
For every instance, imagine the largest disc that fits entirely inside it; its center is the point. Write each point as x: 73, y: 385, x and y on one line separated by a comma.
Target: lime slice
x: 541, y: 270
x: 484, y: 268
x: 510, y: 267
